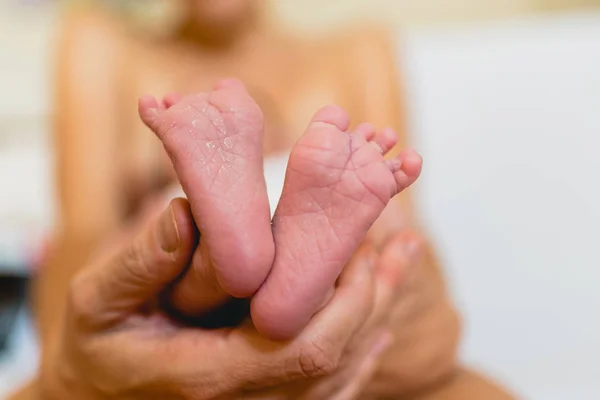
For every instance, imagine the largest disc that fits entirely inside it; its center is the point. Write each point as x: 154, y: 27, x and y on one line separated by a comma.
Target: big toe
x: 332, y: 115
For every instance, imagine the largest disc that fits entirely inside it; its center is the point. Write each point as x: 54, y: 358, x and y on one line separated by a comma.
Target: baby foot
x: 215, y: 141
x: 337, y: 184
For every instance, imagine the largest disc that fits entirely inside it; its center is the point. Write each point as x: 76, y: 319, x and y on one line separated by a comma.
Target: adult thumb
x: 142, y: 267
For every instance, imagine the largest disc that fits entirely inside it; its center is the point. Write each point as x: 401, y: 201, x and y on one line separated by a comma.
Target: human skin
x: 114, y: 343
x: 103, y: 332
x: 401, y: 304
x: 337, y: 184
x: 103, y: 68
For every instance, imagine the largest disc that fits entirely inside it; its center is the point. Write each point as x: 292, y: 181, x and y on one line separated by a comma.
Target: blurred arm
x: 464, y: 385
x: 86, y: 125
x: 86, y: 148
x: 27, y: 393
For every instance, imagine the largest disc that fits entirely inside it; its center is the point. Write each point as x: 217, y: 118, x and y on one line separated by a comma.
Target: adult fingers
x: 241, y: 358
x: 318, y: 349
x: 246, y: 359
x: 366, y: 369
x: 397, y: 259
x: 139, y: 270
x: 326, y: 337
x: 355, y: 373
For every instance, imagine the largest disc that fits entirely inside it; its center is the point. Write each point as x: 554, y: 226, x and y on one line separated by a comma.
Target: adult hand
x: 115, y: 344
x: 362, y: 357
x: 426, y: 329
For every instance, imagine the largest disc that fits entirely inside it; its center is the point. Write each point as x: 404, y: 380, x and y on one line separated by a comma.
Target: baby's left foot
x: 336, y: 186
x: 215, y: 141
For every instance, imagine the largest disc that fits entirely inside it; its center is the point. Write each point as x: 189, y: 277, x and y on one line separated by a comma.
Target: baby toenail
x: 377, y: 147
x: 395, y: 165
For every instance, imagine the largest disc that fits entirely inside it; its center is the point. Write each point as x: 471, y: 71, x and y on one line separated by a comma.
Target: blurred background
x: 504, y: 105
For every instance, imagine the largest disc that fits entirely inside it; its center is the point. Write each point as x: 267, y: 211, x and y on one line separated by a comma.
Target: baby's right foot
x: 215, y: 141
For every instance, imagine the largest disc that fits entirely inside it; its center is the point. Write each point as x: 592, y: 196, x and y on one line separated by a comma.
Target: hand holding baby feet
x: 337, y: 184
x: 215, y: 141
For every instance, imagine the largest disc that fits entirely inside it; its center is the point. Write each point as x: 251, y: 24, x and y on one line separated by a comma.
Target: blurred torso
x: 289, y: 79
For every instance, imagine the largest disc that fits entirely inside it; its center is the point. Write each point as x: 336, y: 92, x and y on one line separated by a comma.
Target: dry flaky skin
x: 215, y: 141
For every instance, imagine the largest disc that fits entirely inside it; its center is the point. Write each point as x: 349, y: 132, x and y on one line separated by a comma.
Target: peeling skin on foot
x: 215, y: 117
x: 225, y: 156
x: 228, y: 142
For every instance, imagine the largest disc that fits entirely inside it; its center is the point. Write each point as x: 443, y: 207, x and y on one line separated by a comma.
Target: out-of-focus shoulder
x: 362, y: 50
x: 370, y: 43
x: 367, y: 69
x: 86, y: 31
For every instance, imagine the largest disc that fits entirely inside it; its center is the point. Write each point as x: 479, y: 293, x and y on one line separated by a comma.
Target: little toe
x: 366, y: 130
x: 384, y: 140
x: 406, y: 168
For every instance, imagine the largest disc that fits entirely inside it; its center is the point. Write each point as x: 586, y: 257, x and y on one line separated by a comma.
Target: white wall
x: 26, y: 200
x: 311, y: 14
x: 25, y: 56
x: 508, y: 121
x: 317, y: 14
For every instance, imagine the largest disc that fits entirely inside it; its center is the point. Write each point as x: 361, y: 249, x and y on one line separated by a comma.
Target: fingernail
x: 370, y: 259
x: 365, y: 257
x: 413, y: 249
x: 382, y: 344
x: 168, y: 232
x: 406, y: 249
